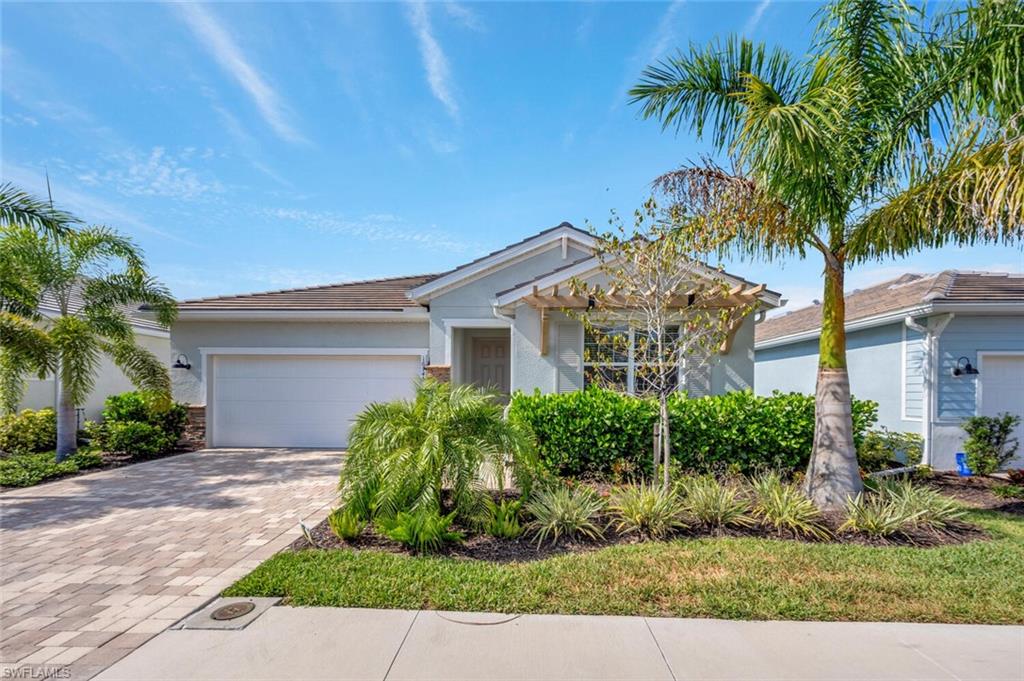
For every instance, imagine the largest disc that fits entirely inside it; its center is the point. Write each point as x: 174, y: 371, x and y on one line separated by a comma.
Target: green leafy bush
x: 990, y: 443
x: 931, y: 508
x: 139, y: 424
x: 25, y: 470
x: 597, y: 432
x: 1009, y: 491
x: 345, y: 524
x: 502, y: 519
x: 876, y: 515
x: 562, y: 511
x: 784, y: 507
x: 650, y: 510
x: 423, y: 531
x: 713, y: 504
x: 880, y: 448
x: 28, y: 431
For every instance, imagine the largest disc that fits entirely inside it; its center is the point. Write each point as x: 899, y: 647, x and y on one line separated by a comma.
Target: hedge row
x: 600, y: 433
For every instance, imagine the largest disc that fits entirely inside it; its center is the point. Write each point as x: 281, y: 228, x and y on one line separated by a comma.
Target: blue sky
x: 263, y: 146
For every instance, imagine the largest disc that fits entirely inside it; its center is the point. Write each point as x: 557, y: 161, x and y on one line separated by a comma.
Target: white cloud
x: 20, y: 119
x: 226, y: 52
x: 156, y: 173
x: 465, y: 16
x: 755, y: 18
x: 651, y: 49
x: 434, y: 60
x: 378, y: 227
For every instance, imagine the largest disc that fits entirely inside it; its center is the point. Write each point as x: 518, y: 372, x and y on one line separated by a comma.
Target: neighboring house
x: 294, y: 368
x: 909, y: 341
x: 149, y: 334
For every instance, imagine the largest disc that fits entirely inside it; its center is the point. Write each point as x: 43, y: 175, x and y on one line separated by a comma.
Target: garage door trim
x: 208, y: 353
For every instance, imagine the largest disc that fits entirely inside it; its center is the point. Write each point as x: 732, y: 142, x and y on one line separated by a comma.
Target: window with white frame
x: 621, y: 358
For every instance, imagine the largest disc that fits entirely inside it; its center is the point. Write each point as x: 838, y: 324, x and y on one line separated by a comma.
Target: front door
x: 490, y: 364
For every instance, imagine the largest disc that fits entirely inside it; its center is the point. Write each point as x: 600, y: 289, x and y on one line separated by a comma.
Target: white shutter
x: 569, y: 359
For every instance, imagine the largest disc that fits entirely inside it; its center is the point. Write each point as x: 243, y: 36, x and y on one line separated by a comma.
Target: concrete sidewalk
x: 342, y: 643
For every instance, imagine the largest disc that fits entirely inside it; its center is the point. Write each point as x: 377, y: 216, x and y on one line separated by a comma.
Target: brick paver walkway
x: 94, y: 566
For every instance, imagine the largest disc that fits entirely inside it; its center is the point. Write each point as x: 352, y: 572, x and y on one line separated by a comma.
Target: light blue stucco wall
x: 967, y: 336
x: 875, y: 362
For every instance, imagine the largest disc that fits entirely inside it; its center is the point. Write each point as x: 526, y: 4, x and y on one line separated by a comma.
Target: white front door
x: 490, y: 364
x: 1001, y: 384
x: 300, y: 400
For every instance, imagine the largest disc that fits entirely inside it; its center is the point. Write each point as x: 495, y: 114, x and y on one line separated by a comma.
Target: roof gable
x: 562, y: 234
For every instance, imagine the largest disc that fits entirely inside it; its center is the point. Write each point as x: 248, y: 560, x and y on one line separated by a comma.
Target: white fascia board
x: 898, y: 316
x: 371, y: 352
x: 499, y: 260
x: 417, y: 315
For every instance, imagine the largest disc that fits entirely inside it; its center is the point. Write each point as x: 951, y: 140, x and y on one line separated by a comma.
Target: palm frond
x: 144, y: 369
x: 18, y: 208
x: 78, y: 350
x: 13, y: 369
x: 31, y: 344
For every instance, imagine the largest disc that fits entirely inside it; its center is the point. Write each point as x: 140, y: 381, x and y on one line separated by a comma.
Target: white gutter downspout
x: 931, y: 380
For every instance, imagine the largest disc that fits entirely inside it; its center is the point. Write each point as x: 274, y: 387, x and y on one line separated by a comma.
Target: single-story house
x: 930, y: 349
x: 149, y: 334
x: 294, y: 368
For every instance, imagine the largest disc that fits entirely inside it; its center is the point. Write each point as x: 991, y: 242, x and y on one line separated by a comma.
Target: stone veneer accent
x: 441, y: 372
x: 195, y: 427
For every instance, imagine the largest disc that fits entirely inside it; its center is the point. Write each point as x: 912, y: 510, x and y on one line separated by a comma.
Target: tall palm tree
x: 91, y: 275
x: 900, y: 130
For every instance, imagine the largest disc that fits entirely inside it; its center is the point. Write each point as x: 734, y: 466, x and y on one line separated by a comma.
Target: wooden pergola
x: 544, y: 302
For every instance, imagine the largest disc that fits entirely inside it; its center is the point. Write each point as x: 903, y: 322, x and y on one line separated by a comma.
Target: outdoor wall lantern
x: 964, y: 368
x: 181, y: 362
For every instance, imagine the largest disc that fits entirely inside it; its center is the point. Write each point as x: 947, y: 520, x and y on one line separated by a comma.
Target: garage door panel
x: 304, y: 401
x: 1002, y: 390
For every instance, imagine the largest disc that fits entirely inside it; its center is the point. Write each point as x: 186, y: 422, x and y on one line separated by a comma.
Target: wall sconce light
x: 964, y: 368
x: 181, y: 362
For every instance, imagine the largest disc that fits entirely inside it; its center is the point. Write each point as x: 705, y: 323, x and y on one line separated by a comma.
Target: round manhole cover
x: 232, y: 610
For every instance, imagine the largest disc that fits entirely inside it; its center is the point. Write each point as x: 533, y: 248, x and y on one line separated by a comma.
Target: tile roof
x: 904, y: 292
x: 48, y: 303
x: 373, y: 294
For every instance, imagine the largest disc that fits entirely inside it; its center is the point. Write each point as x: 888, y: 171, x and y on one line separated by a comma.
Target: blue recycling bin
x: 961, y: 465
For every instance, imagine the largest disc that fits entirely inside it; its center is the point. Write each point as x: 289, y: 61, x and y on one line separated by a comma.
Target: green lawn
x: 724, y: 578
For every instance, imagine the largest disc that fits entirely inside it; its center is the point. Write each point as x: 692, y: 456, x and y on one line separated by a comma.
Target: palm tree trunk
x: 67, y: 423
x: 833, y: 475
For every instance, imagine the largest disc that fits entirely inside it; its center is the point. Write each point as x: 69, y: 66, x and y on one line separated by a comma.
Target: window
x: 614, y: 358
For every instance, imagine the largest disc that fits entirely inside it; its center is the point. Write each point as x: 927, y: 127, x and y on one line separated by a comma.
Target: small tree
x: 990, y: 443
x: 658, y: 305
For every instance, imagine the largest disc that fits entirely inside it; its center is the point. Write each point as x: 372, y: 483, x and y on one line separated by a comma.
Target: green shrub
x: 931, y: 508
x: 345, y: 524
x: 713, y: 504
x: 879, y: 448
x: 564, y: 511
x: 588, y: 432
x: 990, y: 442
x: 502, y: 519
x: 785, y: 508
x: 28, y: 431
x: 1009, y: 491
x: 133, y: 438
x: 597, y: 432
x: 878, y: 516
x: 649, y: 510
x: 25, y: 470
x: 423, y: 531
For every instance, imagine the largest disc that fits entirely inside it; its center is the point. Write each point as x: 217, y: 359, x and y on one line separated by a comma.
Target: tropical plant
x: 501, y: 520
x: 897, y: 132
x: 424, y: 531
x: 563, y: 511
x: 25, y: 470
x: 139, y: 424
x: 878, y: 516
x: 92, y: 274
x: 879, y: 448
x: 930, y: 508
x: 403, y: 454
x: 785, y: 508
x: 28, y: 431
x: 713, y: 504
x: 990, y: 443
x: 649, y: 510
x: 345, y: 524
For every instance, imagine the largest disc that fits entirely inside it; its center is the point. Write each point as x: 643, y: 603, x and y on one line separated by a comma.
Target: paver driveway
x: 93, y: 566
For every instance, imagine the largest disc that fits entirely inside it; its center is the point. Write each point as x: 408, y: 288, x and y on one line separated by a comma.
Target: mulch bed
x: 488, y: 548
x: 975, y: 491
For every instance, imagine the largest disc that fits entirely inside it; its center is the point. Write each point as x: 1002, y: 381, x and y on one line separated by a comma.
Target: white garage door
x: 1002, y: 390
x: 300, y: 401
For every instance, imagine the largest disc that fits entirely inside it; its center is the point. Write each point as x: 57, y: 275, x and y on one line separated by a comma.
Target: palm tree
x: 900, y: 131
x: 402, y: 454
x: 92, y: 275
